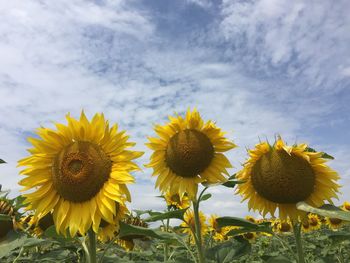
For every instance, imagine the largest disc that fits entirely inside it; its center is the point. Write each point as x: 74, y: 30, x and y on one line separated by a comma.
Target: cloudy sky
x: 258, y: 68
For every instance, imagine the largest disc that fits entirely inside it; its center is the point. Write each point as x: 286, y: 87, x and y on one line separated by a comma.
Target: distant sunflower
x: 250, y: 236
x: 315, y: 221
x: 188, y: 152
x: 280, y: 176
x: 189, y: 226
x: 284, y: 226
x: 127, y: 242
x: 177, y: 202
x: 305, y: 226
x: 334, y: 223
x: 107, y: 231
x: 218, y: 233
x: 8, y: 209
x: 346, y: 206
x: 78, y: 172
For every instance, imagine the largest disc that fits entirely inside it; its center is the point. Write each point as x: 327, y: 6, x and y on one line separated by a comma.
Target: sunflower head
x: 107, y: 230
x: 6, y: 208
x: 314, y: 221
x: 284, y: 226
x: 127, y: 242
x: 188, y: 226
x: 346, y: 206
x: 188, y: 152
x: 250, y: 236
x: 78, y: 172
x: 334, y: 223
x: 280, y: 176
x: 174, y: 201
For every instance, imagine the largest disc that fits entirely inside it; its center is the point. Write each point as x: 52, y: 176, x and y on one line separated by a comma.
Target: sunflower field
x: 75, y: 197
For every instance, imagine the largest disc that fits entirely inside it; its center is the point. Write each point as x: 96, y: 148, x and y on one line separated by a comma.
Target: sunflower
x: 280, y: 176
x: 189, y: 227
x: 305, y: 226
x: 127, y: 242
x: 7, y: 208
x: 284, y: 226
x: 78, y: 172
x: 107, y: 231
x: 346, y: 206
x: 250, y: 236
x: 218, y: 233
x: 334, y: 223
x: 315, y: 221
x: 177, y: 202
x: 188, y: 152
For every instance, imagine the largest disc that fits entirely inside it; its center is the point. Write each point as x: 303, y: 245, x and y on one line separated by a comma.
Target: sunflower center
x: 283, y: 178
x: 189, y: 153
x: 285, y: 227
x: 80, y: 170
x: 313, y: 221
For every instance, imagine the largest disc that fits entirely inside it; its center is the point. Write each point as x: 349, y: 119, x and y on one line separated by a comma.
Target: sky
x: 257, y: 68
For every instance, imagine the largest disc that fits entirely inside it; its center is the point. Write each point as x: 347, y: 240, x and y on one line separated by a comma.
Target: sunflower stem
x: 198, y: 229
x: 166, y: 246
x: 297, y: 235
x: 92, y: 246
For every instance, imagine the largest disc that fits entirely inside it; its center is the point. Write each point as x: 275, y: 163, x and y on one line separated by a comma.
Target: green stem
x: 106, y: 248
x: 92, y: 246
x: 198, y: 235
x: 297, y: 235
x: 166, y: 246
x: 286, y: 245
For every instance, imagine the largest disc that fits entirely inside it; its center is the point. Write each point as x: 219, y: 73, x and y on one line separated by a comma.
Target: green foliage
x: 326, y: 210
x: 158, y: 216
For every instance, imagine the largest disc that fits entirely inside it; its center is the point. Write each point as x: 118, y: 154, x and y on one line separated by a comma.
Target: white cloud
x: 300, y: 40
x: 65, y: 56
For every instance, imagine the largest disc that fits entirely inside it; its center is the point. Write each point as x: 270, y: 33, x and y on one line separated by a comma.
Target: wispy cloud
x: 258, y: 68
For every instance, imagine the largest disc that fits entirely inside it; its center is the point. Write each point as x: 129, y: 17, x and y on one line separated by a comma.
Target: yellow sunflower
x: 107, y: 231
x: 79, y: 172
x: 334, y: 223
x: 189, y: 226
x: 7, y: 208
x: 305, y: 226
x: 218, y: 233
x: 127, y: 242
x: 346, y: 206
x: 315, y: 221
x: 250, y: 236
x: 284, y: 226
x: 280, y: 176
x: 177, y: 202
x: 188, y: 152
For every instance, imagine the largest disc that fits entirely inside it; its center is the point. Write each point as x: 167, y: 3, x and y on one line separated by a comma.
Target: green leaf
x: 324, y: 155
x: 142, y: 212
x: 276, y: 259
x: 5, y: 217
x: 205, y: 197
x: 327, y: 156
x: 338, y: 236
x: 178, y: 214
x: 234, y: 221
x: 12, y: 241
x: 130, y: 231
x: 245, y: 225
x: 229, y: 250
x: 2, y: 161
x: 327, y: 210
x: 31, y: 242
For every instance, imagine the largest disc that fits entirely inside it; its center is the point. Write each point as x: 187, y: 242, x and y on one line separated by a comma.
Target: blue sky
x: 258, y: 68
